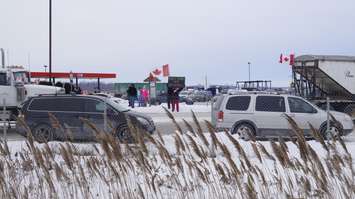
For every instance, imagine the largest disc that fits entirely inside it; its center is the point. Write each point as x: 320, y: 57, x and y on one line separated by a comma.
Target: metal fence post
x: 4, y: 119
x: 105, y: 117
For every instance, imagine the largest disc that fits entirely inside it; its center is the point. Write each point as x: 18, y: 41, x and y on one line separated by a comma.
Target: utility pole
x: 249, y: 69
x: 2, y: 57
x: 50, y: 41
x: 29, y: 66
x: 205, y: 82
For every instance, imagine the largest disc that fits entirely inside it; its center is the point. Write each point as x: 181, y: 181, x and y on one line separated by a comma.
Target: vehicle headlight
x: 347, y: 118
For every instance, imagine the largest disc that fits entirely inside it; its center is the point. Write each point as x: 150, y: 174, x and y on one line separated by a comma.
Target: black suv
x: 73, y: 113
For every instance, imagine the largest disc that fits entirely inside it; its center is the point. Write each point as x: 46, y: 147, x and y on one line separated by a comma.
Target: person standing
x: 175, y: 99
x: 145, y: 94
x: 169, y: 96
x: 140, y: 97
x: 132, y: 95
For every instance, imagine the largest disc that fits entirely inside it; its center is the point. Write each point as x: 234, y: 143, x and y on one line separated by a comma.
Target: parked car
x: 201, y: 96
x: 162, y: 98
x: 69, y: 109
x: 263, y: 115
x: 185, y: 96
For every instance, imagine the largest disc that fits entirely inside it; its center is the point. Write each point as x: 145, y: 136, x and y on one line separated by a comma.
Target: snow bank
x: 184, y: 108
x: 183, y: 165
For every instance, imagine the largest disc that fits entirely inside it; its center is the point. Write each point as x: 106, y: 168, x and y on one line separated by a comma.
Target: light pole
x: 249, y: 69
x: 50, y: 41
x: 2, y: 57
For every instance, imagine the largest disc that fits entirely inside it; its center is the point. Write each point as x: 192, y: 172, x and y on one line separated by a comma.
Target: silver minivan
x: 263, y: 116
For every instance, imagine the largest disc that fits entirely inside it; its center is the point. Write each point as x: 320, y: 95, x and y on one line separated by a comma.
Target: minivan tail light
x: 220, y: 116
x: 22, y: 116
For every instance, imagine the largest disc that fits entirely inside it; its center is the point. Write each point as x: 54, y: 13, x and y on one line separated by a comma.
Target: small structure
x: 256, y: 85
x: 152, y: 80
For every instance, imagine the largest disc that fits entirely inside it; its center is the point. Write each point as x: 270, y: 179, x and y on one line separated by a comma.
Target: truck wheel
x: 350, y: 110
x: 124, y: 134
x: 43, y: 133
x: 245, y: 131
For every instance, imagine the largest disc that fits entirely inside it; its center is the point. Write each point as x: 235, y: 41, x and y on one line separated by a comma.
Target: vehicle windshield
x: 21, y: 77
x: 117, y: 105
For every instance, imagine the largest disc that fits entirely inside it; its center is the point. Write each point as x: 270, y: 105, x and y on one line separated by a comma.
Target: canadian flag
x: 165, y: 70
x: 157, y: 72
x: 290, y: 59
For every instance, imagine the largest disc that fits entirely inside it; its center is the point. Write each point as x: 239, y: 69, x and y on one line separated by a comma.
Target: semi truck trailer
x: 317, y: 77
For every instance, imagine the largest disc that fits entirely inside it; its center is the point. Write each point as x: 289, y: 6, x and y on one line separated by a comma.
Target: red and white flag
x: 157, y: 72
x: 290, y: 59
x: 166, y: 71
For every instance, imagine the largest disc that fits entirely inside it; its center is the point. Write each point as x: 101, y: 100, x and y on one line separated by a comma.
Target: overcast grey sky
x: 196, y: 37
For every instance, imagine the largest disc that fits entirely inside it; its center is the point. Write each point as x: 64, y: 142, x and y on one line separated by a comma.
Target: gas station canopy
x: 76, y: 76
x: 64, y: 75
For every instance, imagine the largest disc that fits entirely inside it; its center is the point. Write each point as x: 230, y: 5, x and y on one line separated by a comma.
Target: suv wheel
x: 245, y: 131
x: 123, y: 134
x: 334, y: 131
x: 43, y: 133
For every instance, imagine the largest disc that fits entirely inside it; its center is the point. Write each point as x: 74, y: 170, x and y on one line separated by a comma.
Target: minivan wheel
x: 245, y: 131
x: 334, y: 131
x: 43, y: 133
x: 124, y: 134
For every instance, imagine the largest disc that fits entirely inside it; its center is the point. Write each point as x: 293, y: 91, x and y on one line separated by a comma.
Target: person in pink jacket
x: 145, y: 94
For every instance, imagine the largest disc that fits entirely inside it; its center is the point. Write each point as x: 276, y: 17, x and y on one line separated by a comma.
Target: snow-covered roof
x: 325, y: 58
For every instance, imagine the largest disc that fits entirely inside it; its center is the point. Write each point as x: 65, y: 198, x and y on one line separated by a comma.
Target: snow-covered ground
x: 182, y: 165
x: 184, y: 108
x: 158, y: 114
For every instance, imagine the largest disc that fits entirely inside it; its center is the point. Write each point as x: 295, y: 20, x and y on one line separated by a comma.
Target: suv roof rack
x: 255, y: 92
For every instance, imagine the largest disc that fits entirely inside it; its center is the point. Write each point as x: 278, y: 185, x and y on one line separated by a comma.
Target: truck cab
x: 16, y: 87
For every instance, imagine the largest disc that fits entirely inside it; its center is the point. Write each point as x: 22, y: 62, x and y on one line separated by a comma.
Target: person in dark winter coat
x: 175, y: 99
x: 169, y: 96
x: 132, y: 95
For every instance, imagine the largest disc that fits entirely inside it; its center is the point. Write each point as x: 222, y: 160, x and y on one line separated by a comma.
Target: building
x: 121, y: 88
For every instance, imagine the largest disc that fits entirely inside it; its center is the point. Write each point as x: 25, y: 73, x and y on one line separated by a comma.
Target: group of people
x: 133, y: 95
x: 143, y: 97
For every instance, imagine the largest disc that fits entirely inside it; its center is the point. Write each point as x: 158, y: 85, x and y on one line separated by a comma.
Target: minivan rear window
x: 57, y: 104
x: 270, y: 104
x: 238, y: 103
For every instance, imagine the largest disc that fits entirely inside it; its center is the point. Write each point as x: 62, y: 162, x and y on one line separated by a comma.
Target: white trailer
x: 317, y: 77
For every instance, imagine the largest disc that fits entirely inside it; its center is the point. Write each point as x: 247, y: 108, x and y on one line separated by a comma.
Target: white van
x: 263, y: 115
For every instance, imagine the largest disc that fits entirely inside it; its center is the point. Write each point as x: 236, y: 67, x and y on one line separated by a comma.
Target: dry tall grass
x: 189, y: 164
